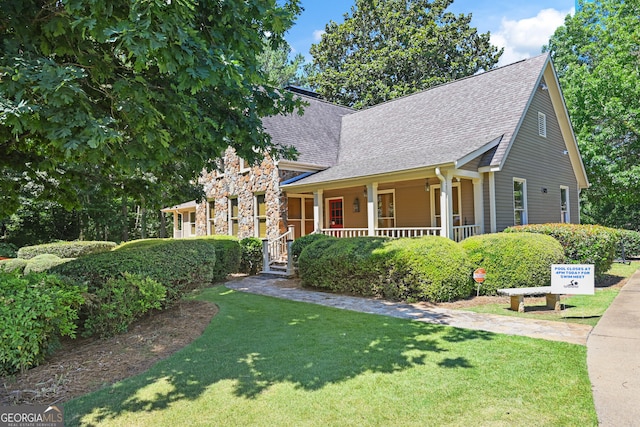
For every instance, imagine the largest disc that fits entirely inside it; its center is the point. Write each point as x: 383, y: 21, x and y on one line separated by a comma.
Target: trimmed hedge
x: 302, y: 242
x: 430, y: 268
x: 582, y: 244
x: 66, y: 249
x: 513, y: 260
x: 35, y: 310
x: 14, y: 264
x: 44, y: 262
x: 252, y: 258
x: 631, y: 241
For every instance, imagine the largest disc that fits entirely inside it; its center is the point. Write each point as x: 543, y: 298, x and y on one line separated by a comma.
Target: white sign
x: 576, y: 279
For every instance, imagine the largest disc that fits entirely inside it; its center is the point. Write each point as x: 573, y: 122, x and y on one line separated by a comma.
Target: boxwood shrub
x: 66, y: 249
x: 429, y: 268
x: 44, y: 262
x: 252, y: 258
x: 513, y: 260
x: 13, y: 264
x: 302, y: 242
x: 582, y: 244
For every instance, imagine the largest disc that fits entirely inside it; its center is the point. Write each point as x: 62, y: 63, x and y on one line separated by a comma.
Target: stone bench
x: 517, y: 297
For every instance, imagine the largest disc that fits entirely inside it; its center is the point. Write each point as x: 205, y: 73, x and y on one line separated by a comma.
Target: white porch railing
x: 275, y: 251
x: 463, y: 231
x: 408, y: 231
x: 459, y: 232
x: 344, y: 232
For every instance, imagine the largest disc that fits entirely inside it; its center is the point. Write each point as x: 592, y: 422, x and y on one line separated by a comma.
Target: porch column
x: 318, y: 210
x: 372, y: 208
x: 446, y: 203
x: 175, y: 225
x: 492, y: 202
x: 478, y: 203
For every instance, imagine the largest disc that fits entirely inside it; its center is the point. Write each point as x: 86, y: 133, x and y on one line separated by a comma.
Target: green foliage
x: 228, y: 254
x: 596, y: 55
x: 302, y: 242
x: 279, y: 69
x: 387, y: 49
x: 582, y: 244
x: 66, y: 249
x: 8, y: 250
x: 44, y: 262
x: 120, y: 302
x: 630, y: 240
x: 95, y: 91
x: 429, y: 268
x: 513, y: 260
x: 252, y: 257
x: 179, y: 265
x: 34, y: 311
x: 140, y: 243
x: 15, y: 264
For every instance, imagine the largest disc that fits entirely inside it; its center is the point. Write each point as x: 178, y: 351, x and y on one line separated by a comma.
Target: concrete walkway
x: 613, y: 358
x: 283, y: 288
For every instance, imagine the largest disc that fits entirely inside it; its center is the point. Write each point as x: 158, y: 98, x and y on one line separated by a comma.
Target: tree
x: 119, y: 89
x: 597, y: 56
x: 279, y: 69
x: 390, y: 48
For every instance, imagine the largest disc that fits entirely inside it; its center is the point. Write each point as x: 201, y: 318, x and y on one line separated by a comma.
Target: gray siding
x: 542, y: 162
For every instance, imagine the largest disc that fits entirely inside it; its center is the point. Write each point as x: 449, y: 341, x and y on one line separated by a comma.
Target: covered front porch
x: 446, y: 203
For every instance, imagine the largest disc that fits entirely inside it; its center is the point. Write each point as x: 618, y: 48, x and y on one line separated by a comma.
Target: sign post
x: 478, y: 276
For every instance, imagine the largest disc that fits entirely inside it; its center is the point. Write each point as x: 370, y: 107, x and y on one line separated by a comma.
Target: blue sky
x: 521, y: 27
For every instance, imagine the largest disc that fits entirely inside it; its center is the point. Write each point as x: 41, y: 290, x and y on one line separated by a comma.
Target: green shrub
x: 429, y: 268
x: 630, y: 240
x: 140, y: 243
x: 8, y: 250
x: 35, y: 310
x: 228, y: 255
x: 180, y: 265
x: 513, y: 260
x: 302, y: 242
x: 14, y: 264
x: 120, y: 302
x: 582, y: 244
x: 44, y: 262
x: 252, y: 257
x: 74, y: 249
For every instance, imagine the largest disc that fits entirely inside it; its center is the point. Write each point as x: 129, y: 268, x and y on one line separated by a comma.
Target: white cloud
x: 524, y: 38
x: 317, y: 35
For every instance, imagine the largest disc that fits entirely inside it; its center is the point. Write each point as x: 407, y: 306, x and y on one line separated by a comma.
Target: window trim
x: 230, y: 217
x: 391, y: 191
x: 257, y: 217
x: 542, y: 124
x: 211, y: 225
x: 565, y: 215
x: 525, y: 212
x: 432, y: 203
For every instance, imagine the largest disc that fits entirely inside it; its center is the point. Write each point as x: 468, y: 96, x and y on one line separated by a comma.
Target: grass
x: 266, y: 362
x: 585, y: 309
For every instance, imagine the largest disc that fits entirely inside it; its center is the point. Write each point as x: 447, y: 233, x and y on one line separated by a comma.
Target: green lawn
x: 269, y: 362
x: 586, y: 309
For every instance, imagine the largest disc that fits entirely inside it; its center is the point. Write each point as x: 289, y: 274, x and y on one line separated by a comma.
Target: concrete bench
x: 517, y: 297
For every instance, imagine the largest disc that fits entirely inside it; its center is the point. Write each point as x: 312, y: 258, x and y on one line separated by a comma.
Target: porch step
x: 278, y: 269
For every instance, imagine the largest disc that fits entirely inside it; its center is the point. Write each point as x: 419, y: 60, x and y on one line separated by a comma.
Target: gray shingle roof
x: 437, y: 126
x: 316, y: 134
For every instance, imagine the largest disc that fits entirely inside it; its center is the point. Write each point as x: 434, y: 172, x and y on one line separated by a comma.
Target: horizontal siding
x: 542, y: 162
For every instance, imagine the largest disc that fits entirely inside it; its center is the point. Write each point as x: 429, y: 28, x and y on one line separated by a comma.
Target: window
x: 456, y: 203
x: 233, y: 216
x: 211, y: 205
x: 386, y: 209
x: 244, y: 166
x: 300, y: 214
x: 192, y: 220
x: 519, y: 201
x: 564, y: 204
x: 542, y: 124
x: 260, y: 216
x: 179, y: 221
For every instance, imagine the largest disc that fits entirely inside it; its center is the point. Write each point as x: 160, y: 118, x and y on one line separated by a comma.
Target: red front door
x: 336, y: 219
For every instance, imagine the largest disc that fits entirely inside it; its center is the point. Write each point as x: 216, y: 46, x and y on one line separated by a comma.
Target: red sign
x: 479, y: 274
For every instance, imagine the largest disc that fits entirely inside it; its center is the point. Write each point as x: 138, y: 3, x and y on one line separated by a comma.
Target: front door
x: 336, y: 219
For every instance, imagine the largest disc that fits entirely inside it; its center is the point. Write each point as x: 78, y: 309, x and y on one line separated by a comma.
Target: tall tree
x: 597, y: 56
x: 389, y: 48
x: 129, y: 88
x: 280, y: 70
